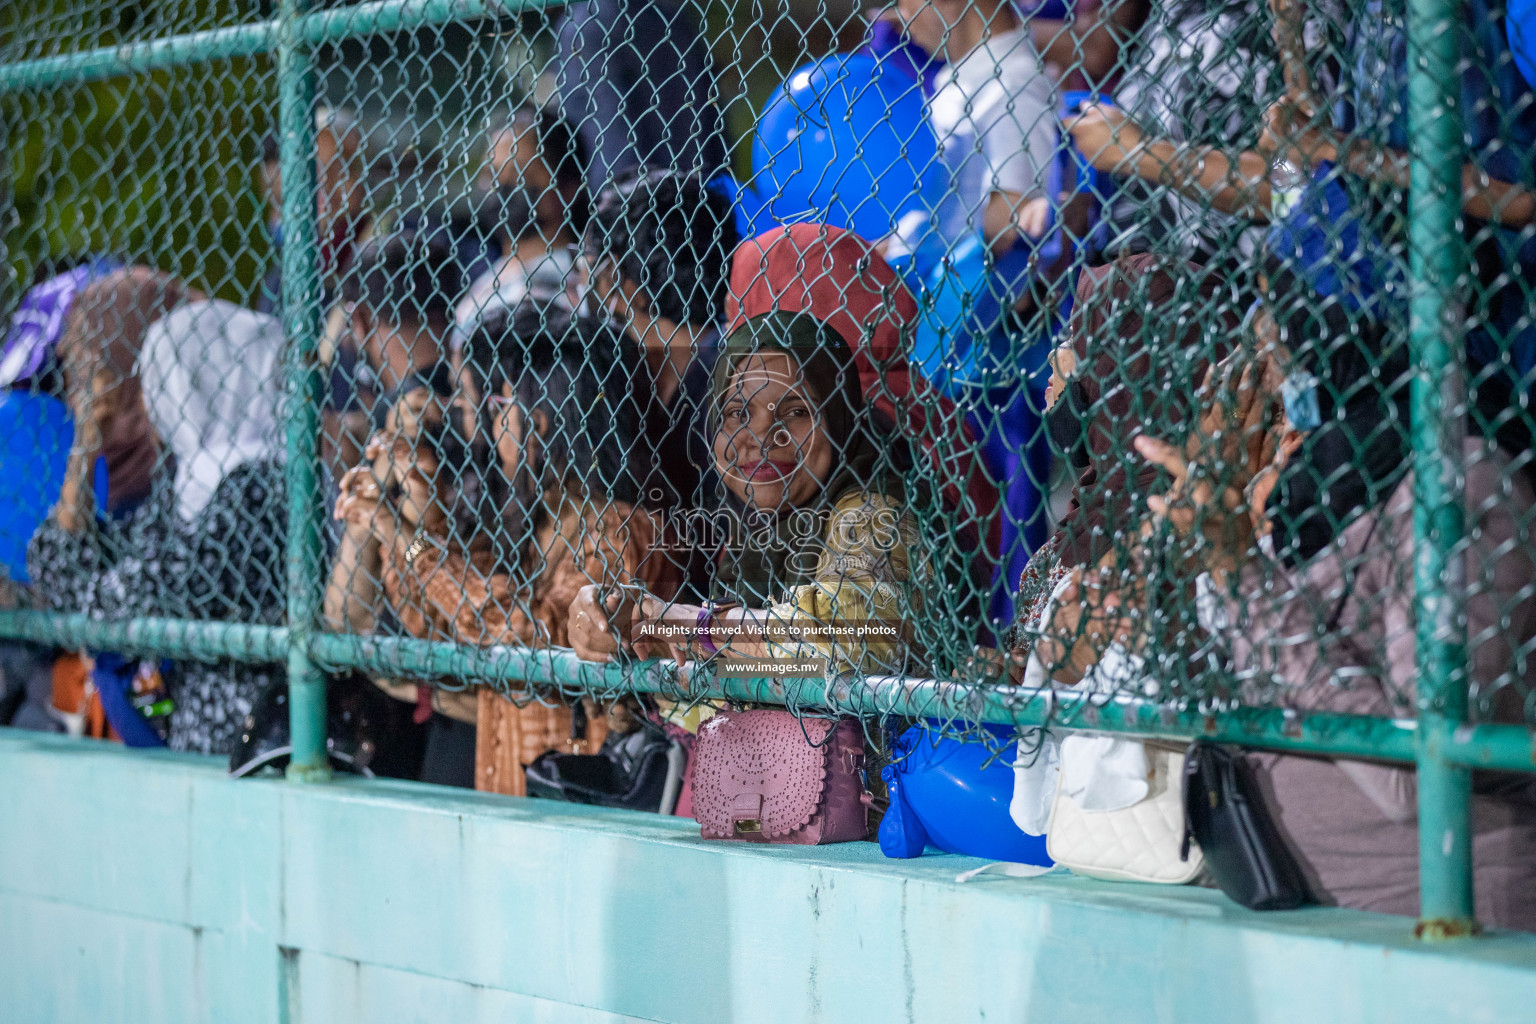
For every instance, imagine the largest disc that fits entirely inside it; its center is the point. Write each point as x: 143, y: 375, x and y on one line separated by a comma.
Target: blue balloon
x: 846, y: 141
x: 941, y: 795
x: 1520, y: 24
x: 36, y: 432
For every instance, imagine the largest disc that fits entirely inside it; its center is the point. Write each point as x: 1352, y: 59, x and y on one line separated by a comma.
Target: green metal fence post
x: 1434, y: 205
x: 301, y: 286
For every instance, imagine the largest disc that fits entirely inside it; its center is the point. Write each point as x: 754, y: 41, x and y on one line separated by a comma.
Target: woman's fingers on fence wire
x: 1105, y: 135
x: 404, y: 479
x: 1230, y: 431
x: 1242, y: 430
x: 1194, y: 503
x: 1176, y: 505
x: 1280, y: 445
x: 408, y: 414
x: 1033, y: 216
x: 1257, y: 433
x: 591, y: 636
x: 360, y: 504
x: 378, y: 443
x: 651, y: 611
x: 996, y: 665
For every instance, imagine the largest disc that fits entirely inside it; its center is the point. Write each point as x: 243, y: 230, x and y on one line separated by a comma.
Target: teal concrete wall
x: 150, y: 889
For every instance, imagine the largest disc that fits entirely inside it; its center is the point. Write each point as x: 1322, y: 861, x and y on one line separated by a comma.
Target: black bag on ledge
x: 1226, y: 814
x: 639, y: 770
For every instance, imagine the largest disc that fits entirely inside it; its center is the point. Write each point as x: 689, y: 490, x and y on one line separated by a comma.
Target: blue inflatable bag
x: 943, y: 793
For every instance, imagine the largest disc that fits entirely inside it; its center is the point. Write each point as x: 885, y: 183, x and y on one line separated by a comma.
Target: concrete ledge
x: 151, y: 888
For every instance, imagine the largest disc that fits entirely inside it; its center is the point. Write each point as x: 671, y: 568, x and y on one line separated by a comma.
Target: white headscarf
x: 212, y: 379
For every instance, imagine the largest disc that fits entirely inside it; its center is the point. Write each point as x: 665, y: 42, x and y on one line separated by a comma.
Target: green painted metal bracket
x: 1438, y: 403
x: 319, y: 28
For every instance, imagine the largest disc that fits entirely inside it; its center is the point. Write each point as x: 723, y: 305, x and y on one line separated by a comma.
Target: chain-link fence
x: 1129, y: 366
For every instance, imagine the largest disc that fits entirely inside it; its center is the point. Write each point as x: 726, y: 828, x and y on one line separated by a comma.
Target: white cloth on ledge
x: 1100, y: 772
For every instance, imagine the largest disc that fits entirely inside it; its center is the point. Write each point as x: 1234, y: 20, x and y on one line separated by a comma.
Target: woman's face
x: 770, y: 448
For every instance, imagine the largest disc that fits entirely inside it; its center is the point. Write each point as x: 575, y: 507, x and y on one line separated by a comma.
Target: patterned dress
x: 868, y: 586
x: 225, y: 564
x: 442, y: 595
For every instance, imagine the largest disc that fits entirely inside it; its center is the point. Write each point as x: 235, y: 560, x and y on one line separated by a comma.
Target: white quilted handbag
x: 1139, y: 843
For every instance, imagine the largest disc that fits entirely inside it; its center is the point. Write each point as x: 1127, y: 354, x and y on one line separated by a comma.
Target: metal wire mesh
x: 1099, y: 412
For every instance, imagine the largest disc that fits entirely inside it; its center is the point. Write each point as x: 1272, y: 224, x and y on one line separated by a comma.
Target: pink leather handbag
x: 756, y: 779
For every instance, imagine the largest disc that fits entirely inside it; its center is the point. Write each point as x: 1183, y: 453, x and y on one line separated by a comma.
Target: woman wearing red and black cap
x: 830, y: 453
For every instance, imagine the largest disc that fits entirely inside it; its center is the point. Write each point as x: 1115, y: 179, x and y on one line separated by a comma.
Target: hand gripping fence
x: 903, y: 253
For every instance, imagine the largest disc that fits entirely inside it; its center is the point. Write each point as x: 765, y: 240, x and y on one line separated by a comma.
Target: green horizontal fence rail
x: 1504, y: 747
x: 306, y: 30
x: 1444, y: 747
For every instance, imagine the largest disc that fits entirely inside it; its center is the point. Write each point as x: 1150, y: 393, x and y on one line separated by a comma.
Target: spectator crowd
x: 616, y: 409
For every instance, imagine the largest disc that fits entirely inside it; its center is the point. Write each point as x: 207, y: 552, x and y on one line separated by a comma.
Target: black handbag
x: 640, y: 770
x: 1226, y: 813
